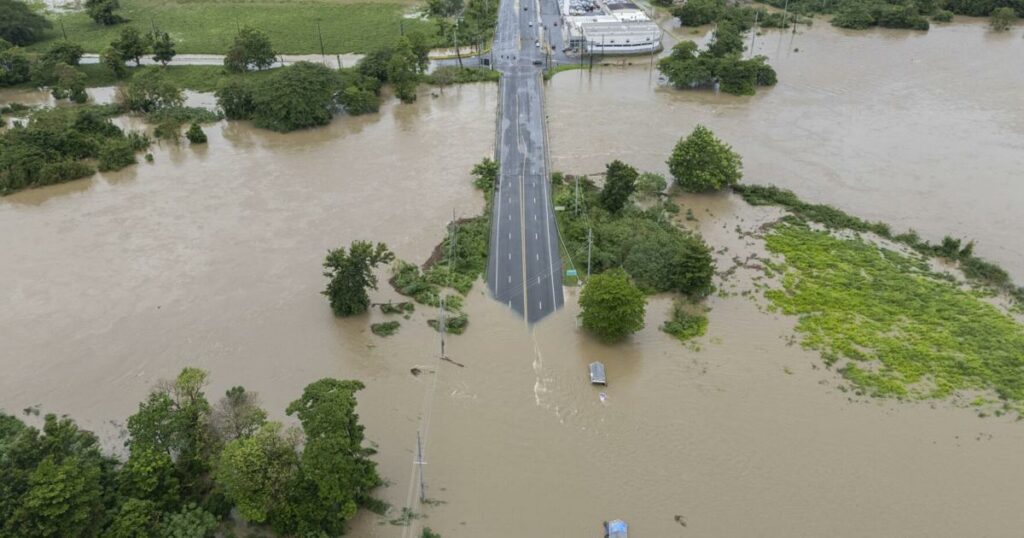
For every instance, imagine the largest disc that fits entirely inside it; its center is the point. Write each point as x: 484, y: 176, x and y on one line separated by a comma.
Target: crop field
x: 209, y: 26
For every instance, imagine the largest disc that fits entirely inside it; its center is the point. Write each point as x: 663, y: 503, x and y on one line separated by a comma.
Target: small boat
x: 615, y: 528
x: 597, y: 374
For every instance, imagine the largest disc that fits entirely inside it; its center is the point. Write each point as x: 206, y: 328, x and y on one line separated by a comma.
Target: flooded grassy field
x: 211, y: 257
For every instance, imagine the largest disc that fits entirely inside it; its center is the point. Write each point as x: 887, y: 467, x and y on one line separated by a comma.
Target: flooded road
x: 920, y: 130
x: 211, y: 257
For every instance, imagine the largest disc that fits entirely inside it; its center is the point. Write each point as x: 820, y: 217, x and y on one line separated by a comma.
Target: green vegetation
x: 102, y: 11
x: 19, y: 25
x: 657, y: 255
x: 447, y: 75
x: 250, y: 49
x: 619, y: 185
x: 683, y: 323
x: 404, y: 307
x: 62, y: 144
x: 897, y: 13
x: 899, y: 329
x: 701, y: 12
x: 721, y: 63
x: 460, y: 23
x: 456, y: 263
x: 980, y: 271
x: 611, y: 306
x: 703, y: 163
x: 386, y: 328
x: 209, y: 26
x: 190, y: 464
x: 1003, y: 18
x: 351, y: 274
x: 195, y: 134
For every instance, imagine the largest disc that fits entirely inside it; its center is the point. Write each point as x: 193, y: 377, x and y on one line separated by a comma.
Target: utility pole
x: 577, y: 196
x: 421, y: 463
x: 753, y: 33
x: 62, y: 30
x: 785, y: 13
x: 590, y: 246
x: 323, y: 55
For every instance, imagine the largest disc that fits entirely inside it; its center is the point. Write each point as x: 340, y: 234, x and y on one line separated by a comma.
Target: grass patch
x: 892, y: 326
x: 976, y: 269
x: 685, y: 324
x: 200, y: 78
x: 386, y: 328
x: 443, y: 76
x: 404, y: 307
x: 453, y: 324
x: 210, y: 26
x: 563, y: 67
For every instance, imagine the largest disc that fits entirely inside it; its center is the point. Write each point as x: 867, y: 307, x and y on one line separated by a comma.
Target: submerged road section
x: 525, y: 270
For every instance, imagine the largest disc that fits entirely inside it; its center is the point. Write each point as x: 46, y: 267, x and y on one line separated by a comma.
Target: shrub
x: 15, y: 67
x: 942, y: 15
x: 1003, y: 18
x: 195, y: 134
x: 235, y: 98
x: 115, y: 154
x: 386, y: 328
x: 102, y: 11
x: 684, y: 324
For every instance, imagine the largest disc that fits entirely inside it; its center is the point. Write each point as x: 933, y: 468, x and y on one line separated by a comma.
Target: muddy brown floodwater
x: 211, y: 257
x: 923, y: 130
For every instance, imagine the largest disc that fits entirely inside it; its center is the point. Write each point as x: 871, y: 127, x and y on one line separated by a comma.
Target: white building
x: 616, y: 27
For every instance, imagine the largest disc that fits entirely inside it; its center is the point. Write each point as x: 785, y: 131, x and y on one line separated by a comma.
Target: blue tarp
x: 617, y: 529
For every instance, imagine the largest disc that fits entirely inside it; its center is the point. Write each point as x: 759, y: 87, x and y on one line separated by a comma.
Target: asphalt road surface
x: 524, y: 270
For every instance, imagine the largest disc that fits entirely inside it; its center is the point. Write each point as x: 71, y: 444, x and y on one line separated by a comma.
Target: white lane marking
x: 540, y: 304
x: 535, y: 236
x: 510, y: 217
x: 510, y: 236
x: 510, y: 255
x: 535, y: 199
x: 509, y: 279
x: 538, y: 257
x: 534, y: 216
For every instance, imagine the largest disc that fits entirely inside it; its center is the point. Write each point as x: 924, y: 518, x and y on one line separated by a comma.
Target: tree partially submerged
x: 351, y: 274
x: 703, y: 163
x: 611, y: 306
x: 721, y: 63
x: 19, y: 24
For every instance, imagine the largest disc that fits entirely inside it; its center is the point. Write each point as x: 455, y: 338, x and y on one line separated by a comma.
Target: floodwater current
x: 211, y: 257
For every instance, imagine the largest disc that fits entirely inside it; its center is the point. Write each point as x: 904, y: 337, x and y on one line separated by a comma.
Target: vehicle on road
x: 530, y: 24
x: 536, y: 44
x: 537, y: 62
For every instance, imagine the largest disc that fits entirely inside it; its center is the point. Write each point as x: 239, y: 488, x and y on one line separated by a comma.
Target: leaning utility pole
x: 753, y: 33
x: 421, y: 463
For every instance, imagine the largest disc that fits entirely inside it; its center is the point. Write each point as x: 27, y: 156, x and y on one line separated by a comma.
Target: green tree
x: 256, y: 470
x: 612, y: 307
x: 235, y: 98
x: 15, y: 67
x: 163, y: 47
x: 237, y: 414
x: 175, y: 420
x: 19, y: 24
x: 299, y: 96
x: 195, y: 134
x: 699, y: 12
x: 356, y: 100
x: 485, y: 174
x: 651, y: 185
x: 64, y: 51
x: 351, y: 274
x: 131, y: 45
x: 135, y: 518
x: 150, y: 90
x: 444, y: 8
x: 191, y: 522
x: 701, y: 162
x: 619, y: 185
x: 726, y: 41
x: 251, y: 49
x: 1003, y: 18
x: 150, y: 475
x: 111, y: 58
x: 402, y: 71
x: 70, y: 84
x: 102, y: 11
x: 336, y: 469
x: 420, y: 45
x: 64, y: 499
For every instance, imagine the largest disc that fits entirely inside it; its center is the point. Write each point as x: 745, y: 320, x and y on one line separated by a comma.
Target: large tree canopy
x: 612, y: 307
x: 20, y: 25
x: 701, y: 162
x: 351, y: 274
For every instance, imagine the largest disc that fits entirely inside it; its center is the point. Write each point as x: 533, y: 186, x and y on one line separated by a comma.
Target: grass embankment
x: 893, y: 326
x: 210, y: 26
x: 200, y: 78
